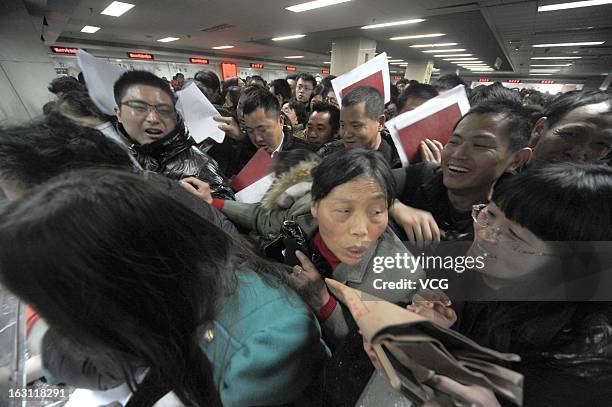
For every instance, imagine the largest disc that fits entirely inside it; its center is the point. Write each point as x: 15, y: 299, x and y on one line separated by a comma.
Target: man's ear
x: 118, y: 113
x: 314, y: 209
x: 381, y: 122
x: 281, y: 119
x: 519, y: 159
x: 538, y: 130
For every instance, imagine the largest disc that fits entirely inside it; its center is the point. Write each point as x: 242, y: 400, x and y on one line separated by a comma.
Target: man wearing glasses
x: 304, y: 88
x: 149, y: 121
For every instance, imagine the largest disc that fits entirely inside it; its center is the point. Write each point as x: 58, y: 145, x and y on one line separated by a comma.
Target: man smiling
x: 149, y: 121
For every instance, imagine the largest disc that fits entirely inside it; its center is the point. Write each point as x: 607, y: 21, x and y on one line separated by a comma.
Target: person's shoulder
x: 330, y: 147
x: 295, y: 143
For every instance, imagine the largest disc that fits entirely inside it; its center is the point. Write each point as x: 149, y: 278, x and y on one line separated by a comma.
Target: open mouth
x: 153, y: 132
x: 457, y: 169
x: 356, y: 251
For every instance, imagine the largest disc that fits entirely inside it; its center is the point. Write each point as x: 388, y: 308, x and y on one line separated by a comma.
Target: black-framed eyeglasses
x: 143, y: 108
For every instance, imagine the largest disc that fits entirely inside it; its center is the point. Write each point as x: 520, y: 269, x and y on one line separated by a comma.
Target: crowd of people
x: 139, y: 266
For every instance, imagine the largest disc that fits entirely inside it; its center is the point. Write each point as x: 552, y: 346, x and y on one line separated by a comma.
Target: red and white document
x: 434, y: 120
x: 373, y: 73
x: 254, y: 179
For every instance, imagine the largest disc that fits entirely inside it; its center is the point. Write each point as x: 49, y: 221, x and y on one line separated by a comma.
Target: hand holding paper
x: 198, y: 114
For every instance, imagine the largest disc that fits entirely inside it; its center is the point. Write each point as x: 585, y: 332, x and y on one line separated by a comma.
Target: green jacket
x: 265, y: 345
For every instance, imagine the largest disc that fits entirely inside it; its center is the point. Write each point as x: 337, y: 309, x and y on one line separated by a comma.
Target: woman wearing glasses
x: 545, y: 238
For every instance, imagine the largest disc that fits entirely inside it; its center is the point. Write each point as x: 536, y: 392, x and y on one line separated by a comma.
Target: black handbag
x: 283, y: 246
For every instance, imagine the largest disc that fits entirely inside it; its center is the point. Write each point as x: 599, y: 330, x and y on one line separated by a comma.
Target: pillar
x: 348, y: 53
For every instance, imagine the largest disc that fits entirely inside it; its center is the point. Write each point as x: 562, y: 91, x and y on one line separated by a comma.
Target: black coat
x: 177, y: 156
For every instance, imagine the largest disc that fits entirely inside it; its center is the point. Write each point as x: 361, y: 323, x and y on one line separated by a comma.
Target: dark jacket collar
x: 173, y: 143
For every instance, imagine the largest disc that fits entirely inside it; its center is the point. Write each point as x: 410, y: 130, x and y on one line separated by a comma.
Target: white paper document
x: 198, y: 112
x: 100, y: 77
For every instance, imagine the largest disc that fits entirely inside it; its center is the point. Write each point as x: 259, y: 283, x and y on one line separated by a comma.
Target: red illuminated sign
x: 228, y: 69
x: 140, y: 55
x: 514, y: 81
x: 257, y: 66
x: 397, y: 78
x: 547, y: 82
x: 325, y: 71
x: 484, y: 80
x: 64, y: 50
x: 202, y: 61
x: 291, y: 68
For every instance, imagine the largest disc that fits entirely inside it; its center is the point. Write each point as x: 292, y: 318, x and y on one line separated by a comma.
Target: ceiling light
x: 411, y: 37
x: 568, y: 44
x: 327, y: 62
x: 117, y: 8
x: 397, y: 63
x: 452, y: 55
x: 395, y: 60
x: 470, y: 63
x: 554, y: 65
x: 543, y: 70
x: 168, y: 39
x: 540, y: 74
x: 295, y: 56
x: 403, y: 22
x: 445, y: 44
x: 573, y: 4
x: 461, y: 59
x: 288, y: 37
x: 89, y: 29
x: 223, y: 47
x: 429, y: 51
x: 311, y: 5
x: 404, y: 64
x: 556, y: 57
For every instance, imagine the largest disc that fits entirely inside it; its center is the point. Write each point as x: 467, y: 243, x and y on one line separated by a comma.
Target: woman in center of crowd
x: 132, y: 283
x: 344, y: 218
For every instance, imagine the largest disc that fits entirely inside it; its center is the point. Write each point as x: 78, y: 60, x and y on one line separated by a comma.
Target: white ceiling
x: 487, y: 29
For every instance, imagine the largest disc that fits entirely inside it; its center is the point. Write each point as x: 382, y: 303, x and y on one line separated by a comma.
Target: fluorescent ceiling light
x: 461, y: 59
x: 543, y: 70
x: 223, y: 47
x: 295, y: 56
x: 168, y: 39
x: 554, y: 65
x: 568, y: 44
x: 311, y: 5
x: 452, y: 55
x: 395, y: 60
x: 397, y: 63
x: 327, y: 62
x: 556, y: 57
x: 573, y: 4
x: 288, y: 37
x: 404, y: 64
x: 429, y: 51
x: 470, y: 63
x: 540, y: 74
x: 403, y: 22
x: 117, y: 8
x: 89, y: 29
x: 411, y: 37
x: 444, y: 44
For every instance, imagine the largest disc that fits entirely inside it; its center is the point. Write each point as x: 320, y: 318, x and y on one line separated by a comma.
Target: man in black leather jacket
x: 157, y: 135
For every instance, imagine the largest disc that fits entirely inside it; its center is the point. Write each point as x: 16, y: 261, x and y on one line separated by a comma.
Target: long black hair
x: 117, y: 266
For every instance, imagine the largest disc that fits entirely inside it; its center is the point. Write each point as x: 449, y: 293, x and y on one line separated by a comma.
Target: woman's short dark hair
x: 519, y: 120
x: 562, y: 105
x: 131, y: 78
x: 346, y: 165
x: 234, y: 94
x: 560, y: 202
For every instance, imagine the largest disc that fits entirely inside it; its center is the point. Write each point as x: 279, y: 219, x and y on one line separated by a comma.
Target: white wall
x: 25, y: 67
